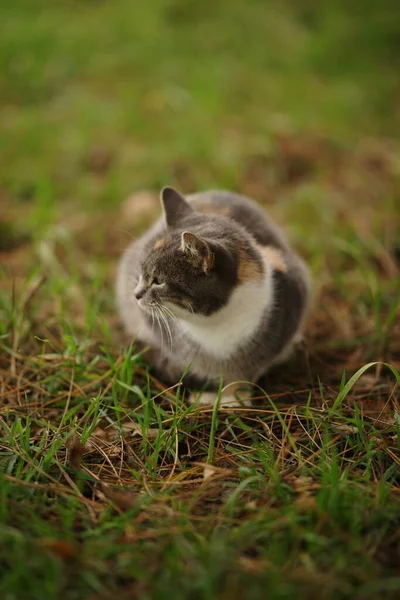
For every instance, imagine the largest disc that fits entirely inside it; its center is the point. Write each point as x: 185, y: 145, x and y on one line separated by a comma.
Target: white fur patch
x: 210, y: 398
x: 223, y: 332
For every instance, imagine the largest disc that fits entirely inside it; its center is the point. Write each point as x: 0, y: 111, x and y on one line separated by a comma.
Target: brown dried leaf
x: 208, y: 471
x: 302, y: 483
x: 134, y: 429
x: 62, y: 548
x: 101, y: 438
x: 253, y: 565
x: 306, y: 502
x: 346, y: 428
x: 76, y: 450
x: 304, y: 487
x: 104, y: 434
x: 122, y: 499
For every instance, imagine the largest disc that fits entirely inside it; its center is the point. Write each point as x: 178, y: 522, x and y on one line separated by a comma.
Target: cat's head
x: 194, y: 265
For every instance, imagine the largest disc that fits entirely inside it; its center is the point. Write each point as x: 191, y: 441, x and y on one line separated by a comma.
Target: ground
x: 112, y: 486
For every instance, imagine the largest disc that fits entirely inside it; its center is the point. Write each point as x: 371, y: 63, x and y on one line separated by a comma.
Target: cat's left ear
x: 174, y: 205
x: 198, y: 250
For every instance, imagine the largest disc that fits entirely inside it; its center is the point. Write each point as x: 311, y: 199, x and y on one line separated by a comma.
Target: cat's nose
x: 139, y: 292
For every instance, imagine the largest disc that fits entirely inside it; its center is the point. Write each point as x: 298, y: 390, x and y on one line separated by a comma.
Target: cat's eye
x: 155, y: 281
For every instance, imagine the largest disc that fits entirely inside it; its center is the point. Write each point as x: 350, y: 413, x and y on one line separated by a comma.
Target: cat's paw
x: 206, y: 398
x: 210, y: 398
x: 230, y: 401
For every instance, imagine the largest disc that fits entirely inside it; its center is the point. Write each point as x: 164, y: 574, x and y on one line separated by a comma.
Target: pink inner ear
x: 198, y: 250
x: 208, y: 262
x: 192, y: 243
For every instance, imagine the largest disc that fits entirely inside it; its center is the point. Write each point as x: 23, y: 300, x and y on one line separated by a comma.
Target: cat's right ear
x: 174, y: 205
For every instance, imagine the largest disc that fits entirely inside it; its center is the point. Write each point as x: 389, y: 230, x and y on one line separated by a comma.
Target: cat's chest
x: 220, y: 342
x: 222, y: 334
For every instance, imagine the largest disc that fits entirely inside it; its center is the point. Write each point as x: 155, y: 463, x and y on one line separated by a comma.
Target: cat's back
x: 242, y: 210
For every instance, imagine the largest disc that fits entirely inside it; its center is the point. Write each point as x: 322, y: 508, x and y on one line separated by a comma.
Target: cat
x: 213, y: 285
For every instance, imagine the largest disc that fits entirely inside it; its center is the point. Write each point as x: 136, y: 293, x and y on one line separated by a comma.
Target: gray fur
x: 174, y: 205
x: 195, y: 268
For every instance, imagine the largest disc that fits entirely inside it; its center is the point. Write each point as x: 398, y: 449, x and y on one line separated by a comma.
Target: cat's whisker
x: 163, y: 324
x: 152, y: 318
x: 169, y: 312
x: 172, y: 317
x: 156, y: 313
x: 166, y: 325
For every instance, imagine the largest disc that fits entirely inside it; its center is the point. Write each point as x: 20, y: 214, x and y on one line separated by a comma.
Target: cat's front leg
x: 233, y: 395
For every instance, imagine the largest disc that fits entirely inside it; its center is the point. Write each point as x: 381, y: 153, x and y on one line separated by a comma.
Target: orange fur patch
x: 274, y: 257
x: 159, y: 244
x: 187, y: 302
x: 208, y: 262
x: 249, y: 269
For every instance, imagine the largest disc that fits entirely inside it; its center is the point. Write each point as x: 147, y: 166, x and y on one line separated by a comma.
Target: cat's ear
x: 198, y: 250
x: 174, y: 205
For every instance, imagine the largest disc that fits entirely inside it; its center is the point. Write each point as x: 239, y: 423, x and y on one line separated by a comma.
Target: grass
x: 110, y: 484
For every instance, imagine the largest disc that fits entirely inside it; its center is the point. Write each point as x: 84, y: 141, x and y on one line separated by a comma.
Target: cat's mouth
x: 149, y: 307
x: 146, y: 306
x: 171, y: 310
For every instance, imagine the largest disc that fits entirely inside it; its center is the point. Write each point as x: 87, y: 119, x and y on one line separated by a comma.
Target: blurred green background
x: 102, y: 97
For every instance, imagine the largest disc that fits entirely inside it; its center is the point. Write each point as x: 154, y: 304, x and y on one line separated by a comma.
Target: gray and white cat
x: 215, y: 285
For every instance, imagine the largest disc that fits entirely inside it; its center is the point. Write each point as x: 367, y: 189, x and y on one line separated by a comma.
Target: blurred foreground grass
x: 294, y: 104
